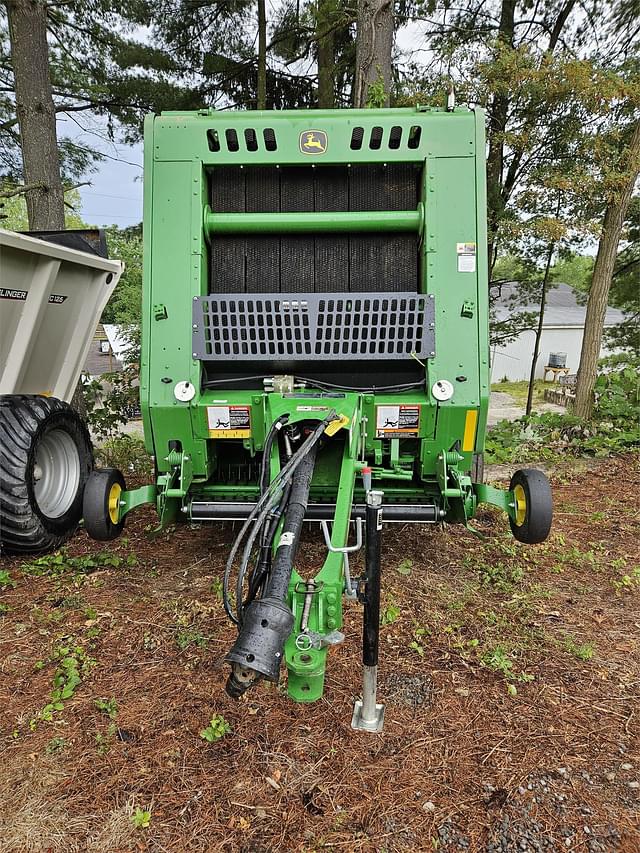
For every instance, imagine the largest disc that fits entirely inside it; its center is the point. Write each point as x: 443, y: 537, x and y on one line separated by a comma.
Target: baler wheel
x: 45, y: 461
x: 101, y: 504
x: 534, y: 506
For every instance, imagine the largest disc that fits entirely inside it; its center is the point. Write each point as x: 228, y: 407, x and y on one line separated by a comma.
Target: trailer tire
x: 45, y: 460
x: 534, y: 506
x: 101, y: 494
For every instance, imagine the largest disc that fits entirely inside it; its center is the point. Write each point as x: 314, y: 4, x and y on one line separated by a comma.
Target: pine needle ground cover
x: 511, y: 677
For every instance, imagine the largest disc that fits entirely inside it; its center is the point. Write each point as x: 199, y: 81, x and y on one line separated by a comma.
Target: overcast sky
x: 115, y: 194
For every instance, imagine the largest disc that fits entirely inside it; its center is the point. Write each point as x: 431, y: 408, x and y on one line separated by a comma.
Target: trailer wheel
x: 534, y: 506
x: 45, y: 460
x: 100, y: 506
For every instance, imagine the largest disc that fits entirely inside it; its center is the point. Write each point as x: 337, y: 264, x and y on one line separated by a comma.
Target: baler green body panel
x: 266, y: 212
x: 178, y: 162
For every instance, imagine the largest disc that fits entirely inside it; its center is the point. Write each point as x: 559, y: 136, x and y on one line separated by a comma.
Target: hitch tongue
x: 267, y: 623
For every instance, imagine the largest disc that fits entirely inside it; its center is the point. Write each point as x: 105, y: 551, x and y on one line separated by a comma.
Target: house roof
x: 562, y: 308
x: 98, y: 362
x: 120, y: 343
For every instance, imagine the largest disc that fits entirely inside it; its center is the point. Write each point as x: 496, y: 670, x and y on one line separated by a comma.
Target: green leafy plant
x: 127, y: 453
x: 59, y: 563
x: 103, y: 741
x: 582, y: 651
x: 6, y: 580
x: 389, y: 612
x: 218, y: 727
x: 628, y: 582
x: 55, y: 745
x: 404, y: 567
x: 141, y: 818
x: 107, y: 706
x: 186, y: 637
x: 72, y: 665
x: 416, y: 643
x: 498, y: 660
x: 377, y: 94
x: 111, y: 399
x: 501, y: 576
x: 216, y: 588
x: 614, y: 427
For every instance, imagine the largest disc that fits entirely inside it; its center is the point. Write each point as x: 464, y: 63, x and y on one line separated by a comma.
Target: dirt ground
x: 511, y: 677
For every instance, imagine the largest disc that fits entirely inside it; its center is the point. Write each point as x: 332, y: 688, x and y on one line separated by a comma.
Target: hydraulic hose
x: 267, y: 621
x: 282, y: 564
x: 265, y: 504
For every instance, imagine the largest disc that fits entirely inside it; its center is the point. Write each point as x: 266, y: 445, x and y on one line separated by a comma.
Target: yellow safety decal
x: 334, y: 426
x: 471, y: 421
x: 229, y: 421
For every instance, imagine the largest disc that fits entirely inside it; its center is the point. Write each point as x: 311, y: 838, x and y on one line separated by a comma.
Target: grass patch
x: 519, y: 390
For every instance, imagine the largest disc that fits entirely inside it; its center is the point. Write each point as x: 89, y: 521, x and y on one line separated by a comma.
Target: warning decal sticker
x: 229, y: 421
x: 466, y: 253
x: 397, y: 421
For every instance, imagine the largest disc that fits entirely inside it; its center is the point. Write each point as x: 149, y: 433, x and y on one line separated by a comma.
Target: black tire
x: 477, y: 468
x: 45, y: 460
x: 537, y: 514
x: 103, y: 486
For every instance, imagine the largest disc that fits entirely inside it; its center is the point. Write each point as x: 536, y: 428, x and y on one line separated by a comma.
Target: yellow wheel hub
x: 521, y: 505
x: 114, y: 502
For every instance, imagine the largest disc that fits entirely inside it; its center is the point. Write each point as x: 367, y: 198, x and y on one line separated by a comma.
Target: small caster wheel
x: 534, y: 506
x: 101, y: 504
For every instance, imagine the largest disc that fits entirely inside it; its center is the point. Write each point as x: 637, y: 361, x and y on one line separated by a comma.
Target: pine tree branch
x: 25, y: 188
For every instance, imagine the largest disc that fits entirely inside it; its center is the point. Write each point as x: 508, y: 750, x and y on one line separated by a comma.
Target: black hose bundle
x: 262, y: 522
x: 264, y: 623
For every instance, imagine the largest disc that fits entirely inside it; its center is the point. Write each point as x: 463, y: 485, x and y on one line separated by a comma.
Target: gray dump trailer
x: 51, y: 298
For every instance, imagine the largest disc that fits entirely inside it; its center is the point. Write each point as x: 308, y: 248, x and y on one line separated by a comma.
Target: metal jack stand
x: 368, y: 716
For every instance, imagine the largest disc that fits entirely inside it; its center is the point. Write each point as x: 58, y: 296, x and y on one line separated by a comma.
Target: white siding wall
x: 514, y: 360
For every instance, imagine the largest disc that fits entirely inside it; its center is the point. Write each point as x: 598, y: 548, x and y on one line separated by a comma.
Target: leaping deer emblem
x: 313, y: 142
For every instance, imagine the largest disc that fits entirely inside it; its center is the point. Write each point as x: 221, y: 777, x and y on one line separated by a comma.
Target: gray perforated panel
x: 314, y: 326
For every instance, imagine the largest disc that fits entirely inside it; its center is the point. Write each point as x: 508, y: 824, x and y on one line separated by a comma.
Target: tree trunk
x: 601, y: 282
x: 536, y: 346
x: 36, y: 113
x: 325, y: 42
x: 374, y: 46
x: 262, y: 55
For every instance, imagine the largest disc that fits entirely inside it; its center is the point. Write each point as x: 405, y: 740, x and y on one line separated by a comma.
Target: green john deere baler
x: 315, y: 348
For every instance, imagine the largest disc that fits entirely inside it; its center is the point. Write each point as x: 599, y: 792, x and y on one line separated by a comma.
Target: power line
x: 106, y: 216
x: 106, y: 195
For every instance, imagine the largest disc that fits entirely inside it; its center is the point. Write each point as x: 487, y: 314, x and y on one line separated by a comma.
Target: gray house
x: 562, y: 333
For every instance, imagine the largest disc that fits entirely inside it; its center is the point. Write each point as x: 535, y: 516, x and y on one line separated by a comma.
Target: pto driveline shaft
x: 282, y: 565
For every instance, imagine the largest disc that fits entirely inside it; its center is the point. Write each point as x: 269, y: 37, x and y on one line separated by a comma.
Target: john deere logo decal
x: 313, y: 141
